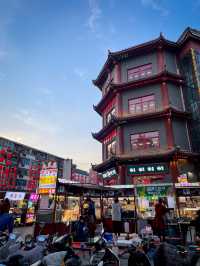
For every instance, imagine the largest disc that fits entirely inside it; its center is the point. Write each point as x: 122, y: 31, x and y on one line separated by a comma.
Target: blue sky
x: 50, y: 50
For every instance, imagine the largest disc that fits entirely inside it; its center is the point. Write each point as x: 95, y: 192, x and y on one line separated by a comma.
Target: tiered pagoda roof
x: 161, y: 41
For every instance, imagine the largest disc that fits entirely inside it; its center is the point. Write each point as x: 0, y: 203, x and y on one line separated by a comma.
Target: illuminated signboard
x: 48, y: 178
x: 15, y: 195
x: 109, y: 173
x: 149, y: 191
x: 34, y: 197
x: 147, y: 169
x: 183, y: 179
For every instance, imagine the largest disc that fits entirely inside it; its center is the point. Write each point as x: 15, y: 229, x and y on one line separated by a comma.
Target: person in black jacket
x: 196, y: 223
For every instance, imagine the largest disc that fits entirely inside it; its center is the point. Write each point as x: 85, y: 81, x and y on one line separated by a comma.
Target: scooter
x: 9, y: 244
x: 59, y: 249
x: 103, y: 255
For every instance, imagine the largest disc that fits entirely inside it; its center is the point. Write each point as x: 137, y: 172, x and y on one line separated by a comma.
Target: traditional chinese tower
x: 146, y: 114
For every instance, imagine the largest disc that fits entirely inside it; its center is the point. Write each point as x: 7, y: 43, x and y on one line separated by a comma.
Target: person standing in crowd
x: 6, y: 219
x: 196, y: 224
x: 159, y: 223
x: 91, y: 210
x: 59, y: 212
x: 91, y: 216
x: 24, y: 213
x: 80, y: 230
x: 116, y: 216
x: 6, y: 205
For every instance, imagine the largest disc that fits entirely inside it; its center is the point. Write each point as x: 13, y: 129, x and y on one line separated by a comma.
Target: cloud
x: 81, y: 73
x: 155, y: 5
x: 35, y: 121
x: 95, y: 15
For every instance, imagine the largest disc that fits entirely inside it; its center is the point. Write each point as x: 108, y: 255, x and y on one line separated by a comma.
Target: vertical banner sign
x: 8, y: 169
x: 48, y: 177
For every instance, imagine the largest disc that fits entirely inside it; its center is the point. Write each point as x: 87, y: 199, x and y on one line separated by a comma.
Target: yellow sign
x: 48, y: 178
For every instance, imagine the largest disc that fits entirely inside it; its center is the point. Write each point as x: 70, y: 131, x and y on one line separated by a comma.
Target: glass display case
x: 127, y: 206
x: 188, y: 206
x: 71, y: 209
x: 188, y: 201
x: 97, y: 203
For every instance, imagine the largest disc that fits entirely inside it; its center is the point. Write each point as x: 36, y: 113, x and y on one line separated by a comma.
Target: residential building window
x: 140, y: 72
x: 145, y: 140
x: 110, y: 114
x: 111, y: 148
x: 142, y: 104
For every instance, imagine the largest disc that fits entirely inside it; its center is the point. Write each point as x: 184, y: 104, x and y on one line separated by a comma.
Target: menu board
x: 188, y: 192
x: 149, y: 191
x: 48, y: 178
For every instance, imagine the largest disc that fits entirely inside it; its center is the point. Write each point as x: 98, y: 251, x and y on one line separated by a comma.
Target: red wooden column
x: 165, y: 95
x: 122, y: 174
x: 117, y: 79
x: 169, y: 132
x: 168, y: 119
x: 160, y: 59
x: 174, y: 170
x: 117, y: 74
x: 120, y: 134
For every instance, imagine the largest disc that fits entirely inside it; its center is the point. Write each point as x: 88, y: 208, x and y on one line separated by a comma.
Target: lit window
x: 139, y: 72
x: 111, y: 148
x: 142, y: 104
x: 110, y: 114
x: 145, y: 140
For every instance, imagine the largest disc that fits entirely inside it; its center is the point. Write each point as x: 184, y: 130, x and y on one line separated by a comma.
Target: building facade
x: 20, y: 166
x: 150, y: 113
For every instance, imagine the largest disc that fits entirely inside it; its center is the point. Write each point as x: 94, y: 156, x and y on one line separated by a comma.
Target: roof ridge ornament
x: 161, y: 35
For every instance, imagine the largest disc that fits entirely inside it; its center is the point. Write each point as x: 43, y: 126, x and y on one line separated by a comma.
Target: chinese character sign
x: 48, y: 177
x: 148, y: 169
x: 8, y: 169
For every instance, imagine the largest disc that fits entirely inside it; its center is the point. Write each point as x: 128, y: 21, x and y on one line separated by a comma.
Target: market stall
x: 188, y: 195
x: 148, y: 195
x: 71, y: 196
x: 126, y: 196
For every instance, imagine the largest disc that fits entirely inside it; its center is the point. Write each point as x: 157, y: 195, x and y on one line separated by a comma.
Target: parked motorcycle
x: 103, y: 255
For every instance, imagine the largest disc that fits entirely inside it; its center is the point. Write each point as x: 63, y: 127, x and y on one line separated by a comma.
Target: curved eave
x: 126, y: 53
x: 104, y: 100
x: 143, y: 156
x: 168, y: 112
x: 105, y: 130
x: 188, y: 33
x: 109, y: 163
x: 139, y: 156
x: 145, y: 47
x: 163, y: 76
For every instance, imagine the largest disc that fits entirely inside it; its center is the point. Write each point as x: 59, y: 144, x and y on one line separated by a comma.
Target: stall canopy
x: 82, y: 189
